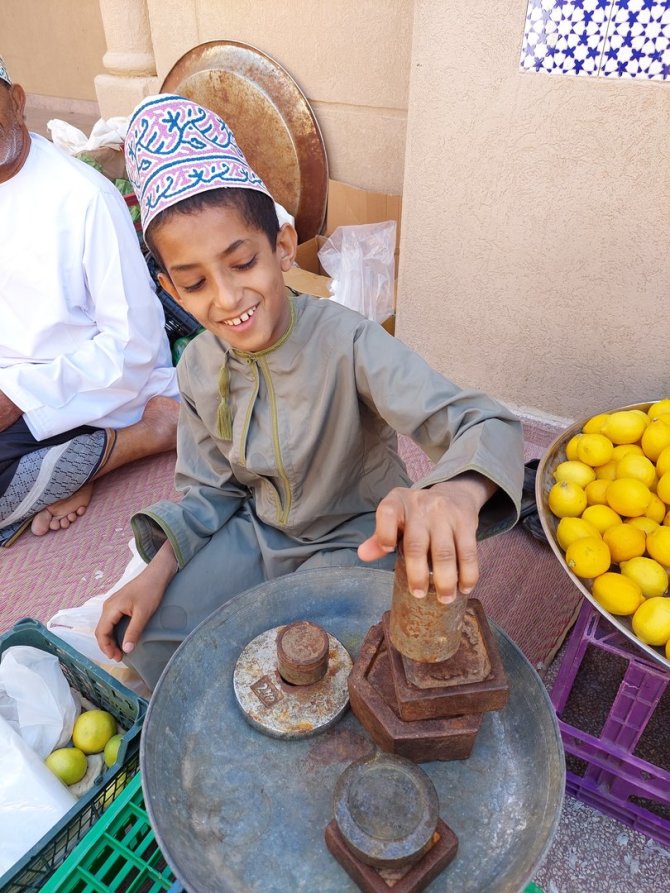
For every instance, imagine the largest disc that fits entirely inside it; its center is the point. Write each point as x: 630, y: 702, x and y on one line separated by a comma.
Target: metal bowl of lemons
x: 603, y: 497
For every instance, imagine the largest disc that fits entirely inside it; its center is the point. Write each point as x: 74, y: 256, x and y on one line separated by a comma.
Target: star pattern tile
x: 601, y: 38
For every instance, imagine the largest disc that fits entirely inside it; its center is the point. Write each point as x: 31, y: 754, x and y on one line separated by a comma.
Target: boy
x: 287, y: 440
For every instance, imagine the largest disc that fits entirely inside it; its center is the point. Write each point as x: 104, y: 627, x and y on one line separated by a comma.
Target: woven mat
x: 522, y: 586
x: 40, y: 575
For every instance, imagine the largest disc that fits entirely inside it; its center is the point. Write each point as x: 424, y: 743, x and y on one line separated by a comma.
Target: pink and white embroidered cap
x: 176, y: 148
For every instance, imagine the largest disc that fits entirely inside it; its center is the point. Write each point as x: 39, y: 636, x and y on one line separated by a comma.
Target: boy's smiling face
x: 226, y: 274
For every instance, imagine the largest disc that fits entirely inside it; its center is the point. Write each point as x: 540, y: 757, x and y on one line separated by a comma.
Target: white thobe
x: 82, y: 340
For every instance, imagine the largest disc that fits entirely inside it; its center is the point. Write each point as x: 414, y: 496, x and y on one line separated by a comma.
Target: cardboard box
x: 347, y: 206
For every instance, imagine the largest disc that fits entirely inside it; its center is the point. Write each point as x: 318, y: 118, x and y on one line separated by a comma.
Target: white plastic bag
x: 359, y: 259
x: 76, y: 626
x: 105, y: 134
x: 32, y: 799
x: 35, y: 698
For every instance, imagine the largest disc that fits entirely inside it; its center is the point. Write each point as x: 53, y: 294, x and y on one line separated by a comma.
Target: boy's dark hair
x: 257, y: 210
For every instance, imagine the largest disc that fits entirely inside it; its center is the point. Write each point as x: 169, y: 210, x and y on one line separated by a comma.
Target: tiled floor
x: 591, y: 853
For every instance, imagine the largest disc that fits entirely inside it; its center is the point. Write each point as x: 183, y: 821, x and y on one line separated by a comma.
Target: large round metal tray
x: 236, y: 810
x: 271, y: 118
x: 543, y: 483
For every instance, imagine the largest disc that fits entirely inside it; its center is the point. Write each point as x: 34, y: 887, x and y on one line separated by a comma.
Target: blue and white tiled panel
x: 601, y: 38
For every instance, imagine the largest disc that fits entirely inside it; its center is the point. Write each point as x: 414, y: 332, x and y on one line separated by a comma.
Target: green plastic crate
x: 119, y: 853
x: 30, y: 873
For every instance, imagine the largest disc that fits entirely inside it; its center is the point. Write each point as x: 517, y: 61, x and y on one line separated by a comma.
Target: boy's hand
x: 439, y: 524
x: 138, y: 600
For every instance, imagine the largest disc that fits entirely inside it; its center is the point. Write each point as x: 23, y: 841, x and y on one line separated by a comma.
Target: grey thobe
x: 313, y: 452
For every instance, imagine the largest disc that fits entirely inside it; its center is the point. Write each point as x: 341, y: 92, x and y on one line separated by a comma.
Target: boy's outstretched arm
x: 137, y: 600
x: 437, y: 524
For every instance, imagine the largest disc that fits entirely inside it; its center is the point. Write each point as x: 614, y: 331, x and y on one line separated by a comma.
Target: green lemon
x: 112, y: 749
x: 92, y: 730
x: 67, y: 763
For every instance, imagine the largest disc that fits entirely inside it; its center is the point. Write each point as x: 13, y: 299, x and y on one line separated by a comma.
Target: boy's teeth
x: 243, y: 318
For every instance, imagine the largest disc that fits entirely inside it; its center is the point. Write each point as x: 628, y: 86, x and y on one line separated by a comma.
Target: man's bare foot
x: 61, y: 514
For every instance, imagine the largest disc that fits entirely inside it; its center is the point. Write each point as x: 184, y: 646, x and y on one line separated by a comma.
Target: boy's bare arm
x: 138, y: 600
x: 440, y: 522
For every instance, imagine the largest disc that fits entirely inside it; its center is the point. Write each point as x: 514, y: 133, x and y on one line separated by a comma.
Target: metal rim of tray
x: 234, y: 809
x: 271, y: 118
x: 544, y: 481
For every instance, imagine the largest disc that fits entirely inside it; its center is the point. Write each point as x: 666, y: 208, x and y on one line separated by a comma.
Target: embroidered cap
x: 4, y: 75
x: 175, y: 148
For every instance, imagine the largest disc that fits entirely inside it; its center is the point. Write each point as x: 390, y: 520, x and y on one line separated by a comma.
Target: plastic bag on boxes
x: 103, y: 149
x: 35, y: 698
x: 359, y: 259
x: 32, y: 799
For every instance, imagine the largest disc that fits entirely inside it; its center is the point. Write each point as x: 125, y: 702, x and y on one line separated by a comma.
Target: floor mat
x: 40, y: 575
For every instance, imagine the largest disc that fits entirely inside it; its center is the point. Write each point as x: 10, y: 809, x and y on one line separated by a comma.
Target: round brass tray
x: 271, y: 118
x: 236, y: 810
x: 543, y: 483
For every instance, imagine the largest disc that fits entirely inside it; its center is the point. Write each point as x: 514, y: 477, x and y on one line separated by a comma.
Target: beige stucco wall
x: 53, y: 47
x: 350, y: 59
x: 534, y: 259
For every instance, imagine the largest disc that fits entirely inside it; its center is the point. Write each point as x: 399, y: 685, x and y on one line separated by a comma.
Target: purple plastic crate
x: 615, y: 780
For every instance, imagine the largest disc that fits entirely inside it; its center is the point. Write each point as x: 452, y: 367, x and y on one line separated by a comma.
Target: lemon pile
x: 94, y: 741
x: 612, y: 496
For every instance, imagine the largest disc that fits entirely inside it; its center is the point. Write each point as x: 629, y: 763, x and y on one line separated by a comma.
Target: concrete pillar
x: 129, y: 60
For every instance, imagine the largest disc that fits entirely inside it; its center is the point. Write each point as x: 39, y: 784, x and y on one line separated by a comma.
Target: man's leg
x: 156, y: 432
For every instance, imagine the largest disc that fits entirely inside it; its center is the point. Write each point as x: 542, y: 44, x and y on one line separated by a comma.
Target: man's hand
x: 9, y: 412
x: 138, y: 600
x: 438, y: 525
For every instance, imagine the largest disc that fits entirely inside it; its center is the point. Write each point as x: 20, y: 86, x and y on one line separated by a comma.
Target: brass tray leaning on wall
x: 271, y: 118
x: 543, y: 483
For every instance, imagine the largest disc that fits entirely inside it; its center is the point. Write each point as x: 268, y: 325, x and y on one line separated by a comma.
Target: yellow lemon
x: 656, y: 509
x: 643, y: 523
x: 658, y: 545
x: 663, y: 462
x: 596, y: 492
x: 651, y: 621
x: 588, y: 557
x: 594, y: 450
x: 67, y: 763
x: 570, y: 529
x: 606, y: 472
x: 566, y: 499
x: 655, y: 439
x: 601, y: 516
x: 666, y: 520
x: 626, y: 449
x: 628, y: 497
x: 571, y: 447
x: 92, y: 730
x: 625, y: 542
x: 663, y: 488
x: 643, y: 415
x: 111, y: 750
x: 623, y: 427
x: 659, y: 408
x: 576, y: 472
x: 648, y: 574
x: 638, y: 467
x: 595, y: 424
x: 617, y: 594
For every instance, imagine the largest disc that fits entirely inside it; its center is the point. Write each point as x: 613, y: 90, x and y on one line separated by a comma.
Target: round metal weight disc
x: 282, y: 710
x: 236, y: 810
x: 386, y: 808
